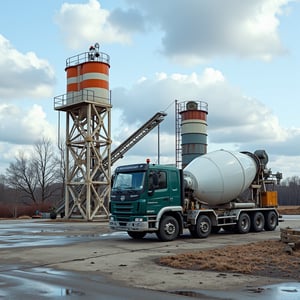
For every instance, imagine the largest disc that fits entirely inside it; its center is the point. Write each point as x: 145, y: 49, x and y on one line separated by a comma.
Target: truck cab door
x: 158, y: 191
x: 175, y: 187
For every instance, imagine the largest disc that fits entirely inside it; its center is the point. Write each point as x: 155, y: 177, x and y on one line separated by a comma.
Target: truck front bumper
x: 129, y: 226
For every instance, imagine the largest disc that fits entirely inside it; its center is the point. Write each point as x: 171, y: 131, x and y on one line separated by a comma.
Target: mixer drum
x: 220, y: 176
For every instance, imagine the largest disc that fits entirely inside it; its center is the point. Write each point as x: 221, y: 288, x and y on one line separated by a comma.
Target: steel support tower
x: 88, y: 134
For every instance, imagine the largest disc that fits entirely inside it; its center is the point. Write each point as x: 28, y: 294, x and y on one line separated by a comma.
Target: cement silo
x: 88, y: 77
x: 191, y: 127
x: 88, y: 133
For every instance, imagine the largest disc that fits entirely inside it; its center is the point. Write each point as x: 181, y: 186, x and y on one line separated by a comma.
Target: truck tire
x: 257, y: 222
x: 271, y: 221
x: 136, y: 234
x: 168, y: 229
x: 244, y: 223
x: 203, y: 226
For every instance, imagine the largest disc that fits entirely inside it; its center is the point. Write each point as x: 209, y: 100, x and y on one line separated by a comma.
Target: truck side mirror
x: 112, y: 180
x: 153, y: 182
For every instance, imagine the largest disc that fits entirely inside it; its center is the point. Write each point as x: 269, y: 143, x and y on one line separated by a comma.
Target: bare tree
x: 36, y: 176
x: 289, y: 191
x: 22, y: 177
x: 46, y: 165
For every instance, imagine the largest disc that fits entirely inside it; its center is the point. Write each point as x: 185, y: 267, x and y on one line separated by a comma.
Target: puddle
x: 48, y: 283
x: 40, y: 282
x: 56, y: 292
x: 17, y: 234
x: 281, y: 291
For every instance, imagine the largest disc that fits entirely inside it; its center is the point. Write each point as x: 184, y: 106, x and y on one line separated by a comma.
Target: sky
x: 241, y: 57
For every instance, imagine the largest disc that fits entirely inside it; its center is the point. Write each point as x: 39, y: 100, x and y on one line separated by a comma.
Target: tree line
x: 33, y: 181
x: 36, y: 182
x: 289, y: 191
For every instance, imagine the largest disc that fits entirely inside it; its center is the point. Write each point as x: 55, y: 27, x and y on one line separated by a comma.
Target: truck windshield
x: 132, y: 181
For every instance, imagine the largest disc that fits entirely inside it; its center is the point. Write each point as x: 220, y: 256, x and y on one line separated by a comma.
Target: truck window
x: 129, y: 180
x: 157, y: 180
x: 174, y: 180
x: 162, y: 180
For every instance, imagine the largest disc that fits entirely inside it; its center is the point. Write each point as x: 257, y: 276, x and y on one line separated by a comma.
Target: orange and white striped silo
x: 88, y: 77
x: 193, y: 130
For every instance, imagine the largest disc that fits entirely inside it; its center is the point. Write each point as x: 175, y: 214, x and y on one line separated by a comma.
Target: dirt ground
x: 265, y: 258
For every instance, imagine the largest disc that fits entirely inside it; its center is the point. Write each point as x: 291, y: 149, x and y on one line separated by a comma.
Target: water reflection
x: 281, y: 291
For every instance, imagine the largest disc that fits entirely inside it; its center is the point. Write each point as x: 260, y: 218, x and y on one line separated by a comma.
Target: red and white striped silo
x: 193, y: 130
x: 88, y: 77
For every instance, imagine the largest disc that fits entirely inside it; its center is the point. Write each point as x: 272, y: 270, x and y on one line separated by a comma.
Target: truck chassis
x: 201, y: 223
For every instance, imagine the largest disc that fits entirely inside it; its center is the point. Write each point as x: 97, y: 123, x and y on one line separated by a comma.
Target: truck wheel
x: 203, y: 226
x: 271, y: 221
x: 257, y: 222
x: 243, y: 225
x: 168, y: 229
x: 136, y: 235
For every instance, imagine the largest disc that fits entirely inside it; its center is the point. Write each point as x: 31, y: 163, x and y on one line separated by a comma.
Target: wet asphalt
x: 23, y: 279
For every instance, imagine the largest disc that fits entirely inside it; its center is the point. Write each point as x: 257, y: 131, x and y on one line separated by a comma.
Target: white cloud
x: 196, y: 31
x: 289, y: 164
x: 235, y: 121
x: 20, y: 129
x: 19, y: 126
x: 23, y: 75
x: 10, y: 151
x: 191, y: 33
x: 88, y: 23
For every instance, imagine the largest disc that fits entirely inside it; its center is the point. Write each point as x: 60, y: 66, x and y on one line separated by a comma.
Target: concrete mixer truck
x: 226, y: 190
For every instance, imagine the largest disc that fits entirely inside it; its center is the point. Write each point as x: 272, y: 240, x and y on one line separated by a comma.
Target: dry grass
x: 289, y: 210
x: 267, y: 258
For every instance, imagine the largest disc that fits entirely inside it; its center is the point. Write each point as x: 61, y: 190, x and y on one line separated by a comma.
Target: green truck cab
x: 147, y: 198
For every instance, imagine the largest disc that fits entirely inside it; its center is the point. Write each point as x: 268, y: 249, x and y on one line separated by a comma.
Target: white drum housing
x: 220, y: 176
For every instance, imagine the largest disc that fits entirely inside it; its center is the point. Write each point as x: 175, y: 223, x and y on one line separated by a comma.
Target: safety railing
x: 72, y: 98
x: 87, y: 56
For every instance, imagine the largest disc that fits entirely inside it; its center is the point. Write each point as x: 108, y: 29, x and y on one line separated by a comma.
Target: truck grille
x: 123, y: 211
x: 123, y: 207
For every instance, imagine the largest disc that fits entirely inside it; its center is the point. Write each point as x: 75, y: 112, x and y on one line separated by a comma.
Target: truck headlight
x: 111, y: 218
x: 138, y: 220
